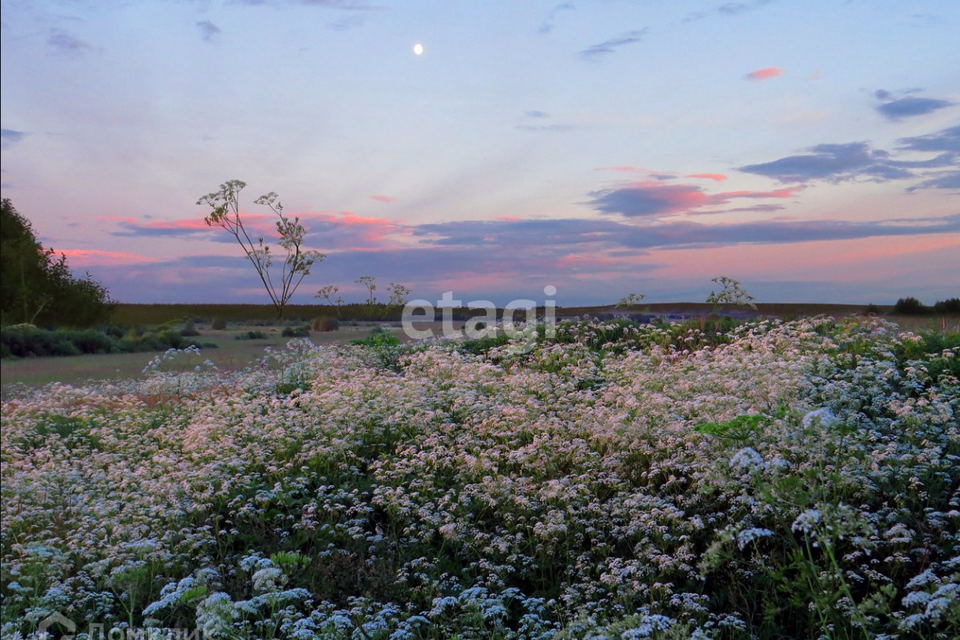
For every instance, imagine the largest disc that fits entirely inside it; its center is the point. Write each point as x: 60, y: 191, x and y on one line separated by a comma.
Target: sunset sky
x: 810, y: 149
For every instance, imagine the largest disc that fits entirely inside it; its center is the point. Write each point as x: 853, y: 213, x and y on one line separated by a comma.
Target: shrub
x: 325, y: 323
x: 189, y: 329
x: 872, y: 310
x: 256, y: 334
x: 28, y: 341
x: 296, y: 332
x: 379, y: 337
x: 172, y: 339
x: 218, y: 324
x: 385, y: 346
x: 91, y: 341
x: 481, y: 346
x: 112, y: 330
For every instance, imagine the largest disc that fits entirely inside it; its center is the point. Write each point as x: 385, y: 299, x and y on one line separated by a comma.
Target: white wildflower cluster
x: 747, y: 460
x: 807, y: 521
x: 178, y: 361
x: 565, y: 490
x: 748, y: 536
x: 821, y: 418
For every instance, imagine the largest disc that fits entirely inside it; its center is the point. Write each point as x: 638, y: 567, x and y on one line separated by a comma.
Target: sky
x: 808, y: 148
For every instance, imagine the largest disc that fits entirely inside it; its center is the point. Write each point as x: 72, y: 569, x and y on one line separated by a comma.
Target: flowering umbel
x: 732, y: 293
x: 225, y: 204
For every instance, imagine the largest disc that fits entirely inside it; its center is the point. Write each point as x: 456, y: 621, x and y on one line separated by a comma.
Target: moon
x: 418, y: 49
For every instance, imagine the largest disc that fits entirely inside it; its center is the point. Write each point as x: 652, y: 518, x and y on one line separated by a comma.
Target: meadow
x: 229, y: 353
x: 706, y: 479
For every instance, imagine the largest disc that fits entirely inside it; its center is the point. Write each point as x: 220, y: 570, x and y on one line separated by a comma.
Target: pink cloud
x: 96, y: 256
x: 348, y: 231
x: 379, y: 197
x: 848, y: 260
x: 786, y: 192
x: 653, y: 173
x: 116, y: 219
x: 624, y: 169
x: 654, y: 199
x: 575, y: 261
x: 717, y: 177
x: 470, y: 281
x: 184, y: 224
x: 648, y: 198
x: 330, y: 232
x: 765, y: 74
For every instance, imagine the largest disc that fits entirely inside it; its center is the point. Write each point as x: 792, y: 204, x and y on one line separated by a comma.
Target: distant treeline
x: 130, y: 315
x: 913, y: 307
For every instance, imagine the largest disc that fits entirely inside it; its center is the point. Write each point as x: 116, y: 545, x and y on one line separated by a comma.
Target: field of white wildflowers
x: 769, y: 480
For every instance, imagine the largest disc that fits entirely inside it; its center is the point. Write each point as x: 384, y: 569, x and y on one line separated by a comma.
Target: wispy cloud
x: 948, y: 180
x: 909, y: 107
x: 610, y: 46
x: 765, y: 74
x: 695, y: 16
x: 10, y: 137
x: 945, y: 140
x: 653, y: 174
x: 547, y: 25
x: 624, y: 169
x: 534, y: 120
x: 380, y: 197
x: 343, y: 231
x: 130, y: 227
x: 346, y: 23
x: 856, y: 161
x: 511, y: 235
x: 344, y: 5
x: 947, y: 144
x: 727, y: 10
x: 737, y: 8
x: 67, y: 43
x: 208, y: 31
x: 349, y: 5
x: 663, y: 175
x: 544, y: 127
